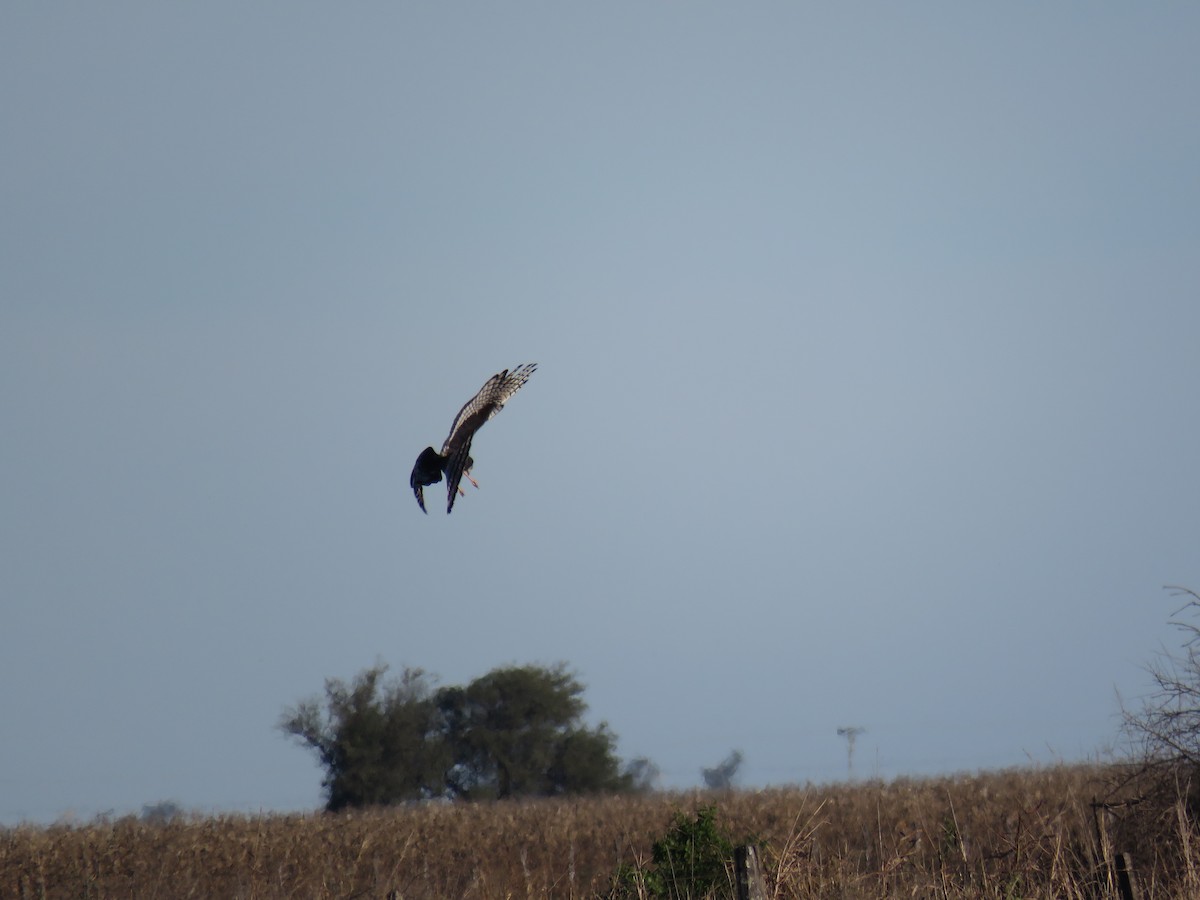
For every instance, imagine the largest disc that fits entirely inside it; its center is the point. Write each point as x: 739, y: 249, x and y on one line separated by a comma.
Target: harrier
x: 455, y: 458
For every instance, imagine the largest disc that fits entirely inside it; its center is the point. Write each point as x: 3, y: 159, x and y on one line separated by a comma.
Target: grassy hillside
x: 1004, y: 834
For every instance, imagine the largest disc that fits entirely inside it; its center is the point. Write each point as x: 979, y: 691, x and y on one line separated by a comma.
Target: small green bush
x: 693, y: 859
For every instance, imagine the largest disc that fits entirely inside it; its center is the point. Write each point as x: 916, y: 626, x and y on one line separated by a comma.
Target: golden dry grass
x: 1024, y: 833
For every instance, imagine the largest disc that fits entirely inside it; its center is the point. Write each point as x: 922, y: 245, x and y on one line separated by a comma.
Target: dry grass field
x: 1019, y: 833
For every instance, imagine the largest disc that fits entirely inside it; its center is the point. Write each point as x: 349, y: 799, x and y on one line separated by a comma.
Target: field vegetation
x: 1042, y: 832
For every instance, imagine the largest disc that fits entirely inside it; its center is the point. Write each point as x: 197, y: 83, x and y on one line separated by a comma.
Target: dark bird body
x: 455, y: 459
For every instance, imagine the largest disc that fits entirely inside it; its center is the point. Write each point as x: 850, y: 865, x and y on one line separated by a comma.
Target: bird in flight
x: 455, y: 458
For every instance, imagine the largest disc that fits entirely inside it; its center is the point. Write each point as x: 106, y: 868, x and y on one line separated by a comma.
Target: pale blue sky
x: 867, y: 392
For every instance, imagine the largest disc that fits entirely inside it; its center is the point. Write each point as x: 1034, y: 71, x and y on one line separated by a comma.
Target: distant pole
x: 850, y: 732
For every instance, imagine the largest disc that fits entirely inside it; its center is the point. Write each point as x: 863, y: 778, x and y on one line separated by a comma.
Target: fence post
x: 748, y: 874
x: 1118, y: 866
x: 1125, y: 883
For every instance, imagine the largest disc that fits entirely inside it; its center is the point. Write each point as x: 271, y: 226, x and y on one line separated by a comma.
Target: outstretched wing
x: 428, y: 470
x: 457, y: 463
x: 491, y: 398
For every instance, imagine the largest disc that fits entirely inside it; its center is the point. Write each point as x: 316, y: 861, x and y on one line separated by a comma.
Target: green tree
x: 378, y: 741
x: 516, y: 731
x: 720, y: 777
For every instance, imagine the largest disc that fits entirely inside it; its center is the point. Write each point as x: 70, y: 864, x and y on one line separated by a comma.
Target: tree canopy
x: 516, y: 731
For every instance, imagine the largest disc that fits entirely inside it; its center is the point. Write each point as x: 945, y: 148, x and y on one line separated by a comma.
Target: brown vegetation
x: 1021, y: 833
